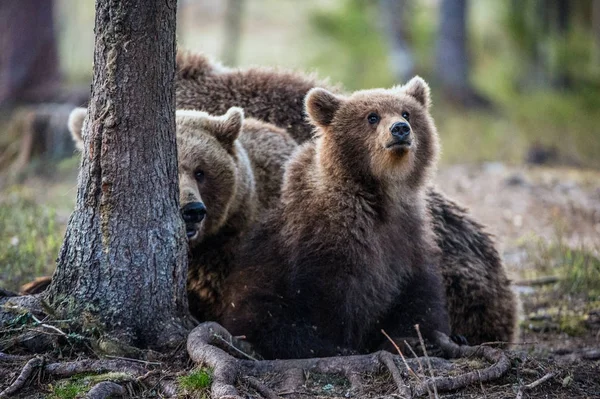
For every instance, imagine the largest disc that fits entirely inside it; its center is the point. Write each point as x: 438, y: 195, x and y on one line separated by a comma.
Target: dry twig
x: 435, y: 393
x: 534, y: 384
x: 261, y: 388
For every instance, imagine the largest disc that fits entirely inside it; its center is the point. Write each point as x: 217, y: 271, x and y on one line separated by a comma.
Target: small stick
x: 48, y: 326
x: 427, y: 358
x: 421, y: 368
x: 534, y: 384
x: 481, y: 384
x: 490, y: 343
x: 261, y: 388
x: 387, y: 359
x: 402, y: 356
x: 28, y: 369
x: 134, y: 360
x: 235, y: 348
x: 544, y: 280
x: 148, y: 374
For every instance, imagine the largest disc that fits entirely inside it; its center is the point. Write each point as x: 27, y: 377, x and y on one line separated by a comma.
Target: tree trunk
x: 596, y: 33
x: 233, y: 32
x: 123, y: 263
x: 401, y: 57
x: 452, y: 62
x: 28, y: 56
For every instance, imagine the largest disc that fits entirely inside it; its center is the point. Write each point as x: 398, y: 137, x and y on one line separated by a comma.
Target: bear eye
x: 199, y: 176
x: 405, y: 115
x: 373, y: 118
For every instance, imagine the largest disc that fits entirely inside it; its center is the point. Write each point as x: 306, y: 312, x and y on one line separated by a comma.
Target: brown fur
x: 482, y: 306
x: 349, y: 250
x: 242, y: 162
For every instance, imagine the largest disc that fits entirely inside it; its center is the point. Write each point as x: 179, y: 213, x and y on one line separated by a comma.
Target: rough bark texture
x: 124, y: 257
x: 452, y: 62
x: 28, y: 55
x: 401, y: 57
x: 452, y: 58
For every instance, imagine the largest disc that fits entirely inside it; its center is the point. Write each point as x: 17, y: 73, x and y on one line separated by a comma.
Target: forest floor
x: 547, y: 221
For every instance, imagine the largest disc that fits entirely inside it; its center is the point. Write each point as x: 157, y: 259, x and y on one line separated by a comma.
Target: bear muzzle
x: 401, y: 138
x: 193, y: 214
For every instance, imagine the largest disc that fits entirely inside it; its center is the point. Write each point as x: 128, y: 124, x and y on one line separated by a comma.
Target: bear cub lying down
x: 349, y: 250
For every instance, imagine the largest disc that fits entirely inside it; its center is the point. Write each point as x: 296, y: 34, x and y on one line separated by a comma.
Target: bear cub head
x: 215, y: 176
x: 386, y: 134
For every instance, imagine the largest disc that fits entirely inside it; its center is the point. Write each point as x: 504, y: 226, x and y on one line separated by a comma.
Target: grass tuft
x: 199, y: 380
x: 71, y: 389
x: 30, y: 239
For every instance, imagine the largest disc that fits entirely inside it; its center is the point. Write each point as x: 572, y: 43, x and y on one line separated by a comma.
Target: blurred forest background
x: 516, y: 89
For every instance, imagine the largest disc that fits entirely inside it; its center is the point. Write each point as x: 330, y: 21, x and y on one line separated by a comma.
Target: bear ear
x: 75, y: 124
x: 225, y: 128
x: 228, y: 127
x: 419, y: 89
x: 321, y: 106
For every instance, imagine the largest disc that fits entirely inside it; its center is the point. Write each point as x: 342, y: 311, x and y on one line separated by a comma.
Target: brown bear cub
x: 349, y: 250
x: 230, y: 171
x: 482, y: 306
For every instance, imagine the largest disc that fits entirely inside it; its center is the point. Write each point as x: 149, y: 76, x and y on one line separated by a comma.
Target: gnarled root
x: 105, y: 389
x: 227, y: 369
x: 27, y: 371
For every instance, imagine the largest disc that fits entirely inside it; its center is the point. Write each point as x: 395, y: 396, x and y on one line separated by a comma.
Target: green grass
x: 197, y: 381
x: 578, y: 269
x: 70, y: 389
x: 30, y: 239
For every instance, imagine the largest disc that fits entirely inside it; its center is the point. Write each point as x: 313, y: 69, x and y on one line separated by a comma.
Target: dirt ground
x: 547, y: 221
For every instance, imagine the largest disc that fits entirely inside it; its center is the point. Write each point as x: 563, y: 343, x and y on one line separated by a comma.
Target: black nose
x: 400, y: 130
x: 193, y: 212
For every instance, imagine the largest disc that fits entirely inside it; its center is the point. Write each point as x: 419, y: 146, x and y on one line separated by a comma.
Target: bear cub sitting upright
x: 349, y: 250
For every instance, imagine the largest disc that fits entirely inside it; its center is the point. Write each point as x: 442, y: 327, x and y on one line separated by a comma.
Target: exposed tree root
x: 105, y: 389
x: 6, y: 358
x: 202, y: 348
x: 68, y: 369
x: 27, y: 371
x: 261, y: 388
x: 388, y: 360
x: 135, y: 370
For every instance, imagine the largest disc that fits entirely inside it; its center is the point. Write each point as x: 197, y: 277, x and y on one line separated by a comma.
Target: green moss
x: 70, y: 389
x: 198, y: 381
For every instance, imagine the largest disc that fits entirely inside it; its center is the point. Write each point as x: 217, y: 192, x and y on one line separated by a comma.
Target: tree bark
x: 233, y: 32
x: 401, y: 57
x: 29, y: 69
x: 452, y: 63
x: 123, y: 263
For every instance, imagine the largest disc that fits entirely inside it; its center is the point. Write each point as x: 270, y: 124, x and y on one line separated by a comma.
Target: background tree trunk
x: 452, y: 58
x: 123, y: 263
x: 29, y: 69
x: 395, y: 26
x: 233, y: 32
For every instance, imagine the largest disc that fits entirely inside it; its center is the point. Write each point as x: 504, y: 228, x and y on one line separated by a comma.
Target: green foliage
x: 577, y: 268
x: 199, y: 380
x: 352, y: 49
x: 581, y: 272
x: 30, y: 240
